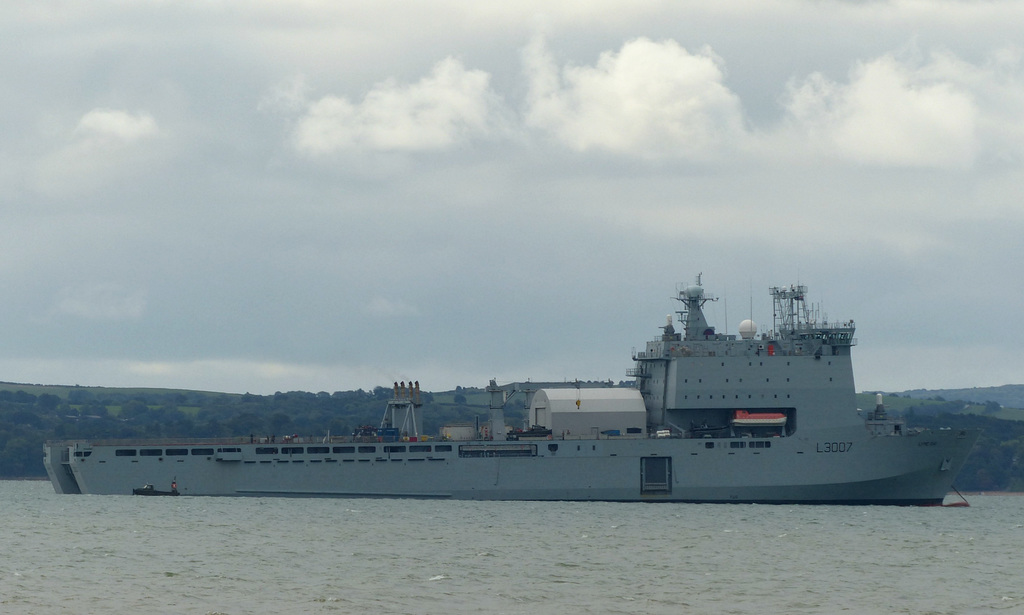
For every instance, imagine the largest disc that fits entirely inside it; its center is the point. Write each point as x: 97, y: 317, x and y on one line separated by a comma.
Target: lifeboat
x: 744, y: 418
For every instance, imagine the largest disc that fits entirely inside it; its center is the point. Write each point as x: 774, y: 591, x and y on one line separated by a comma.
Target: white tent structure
x: 589, y: 412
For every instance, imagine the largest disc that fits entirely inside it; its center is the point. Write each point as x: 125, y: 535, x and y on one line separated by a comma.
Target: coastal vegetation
x: 32, y: 414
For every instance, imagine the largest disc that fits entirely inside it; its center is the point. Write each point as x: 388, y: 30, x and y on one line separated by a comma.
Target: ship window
x: 737, y: 445
x: 318, y: 450
x: 202, y: 451
x: 443, y: 448
x: 151, y: 452
x: 394, y: 449
x: 419, y: 448
x: 264, y: 450
x: 552, y: 447
x: 125, y: 452
x: 367, y: 449
x: 498, y: 450
x: 171, y: 452
x: 709, y: 445
x: 289, y: 450
x: 229, y: 449
x: 344, y: 449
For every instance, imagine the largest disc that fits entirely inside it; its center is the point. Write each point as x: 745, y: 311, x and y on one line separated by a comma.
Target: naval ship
x: 767, y: 417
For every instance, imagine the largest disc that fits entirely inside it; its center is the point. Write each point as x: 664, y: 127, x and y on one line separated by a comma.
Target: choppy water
x: 124, y: 554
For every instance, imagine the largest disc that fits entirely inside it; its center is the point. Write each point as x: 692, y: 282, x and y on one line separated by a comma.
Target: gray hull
x: 861, y: 468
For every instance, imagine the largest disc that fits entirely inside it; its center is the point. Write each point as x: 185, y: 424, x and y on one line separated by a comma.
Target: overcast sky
x: 269, y: 196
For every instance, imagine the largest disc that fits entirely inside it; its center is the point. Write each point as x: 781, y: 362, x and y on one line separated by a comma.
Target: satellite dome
x: 748, y: 329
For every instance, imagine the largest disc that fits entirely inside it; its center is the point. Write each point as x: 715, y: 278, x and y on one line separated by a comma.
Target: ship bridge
x: 696, y: 381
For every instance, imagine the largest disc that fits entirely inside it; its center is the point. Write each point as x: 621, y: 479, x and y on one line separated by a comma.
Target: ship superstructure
x: 760, y: 417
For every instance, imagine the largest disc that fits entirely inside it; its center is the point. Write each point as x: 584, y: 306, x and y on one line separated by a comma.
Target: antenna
x: 725, y: 306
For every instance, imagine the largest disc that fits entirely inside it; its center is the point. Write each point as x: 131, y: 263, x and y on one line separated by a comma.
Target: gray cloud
x: 330, y: 196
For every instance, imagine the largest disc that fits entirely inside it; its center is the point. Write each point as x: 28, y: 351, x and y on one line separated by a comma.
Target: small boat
x: 743, y: 418
x: 148, y: 489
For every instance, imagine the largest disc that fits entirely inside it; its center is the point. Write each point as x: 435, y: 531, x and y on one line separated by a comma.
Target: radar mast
x: 692, y: 315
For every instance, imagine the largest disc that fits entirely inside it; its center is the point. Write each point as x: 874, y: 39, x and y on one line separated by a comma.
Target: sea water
x: 123, y: 554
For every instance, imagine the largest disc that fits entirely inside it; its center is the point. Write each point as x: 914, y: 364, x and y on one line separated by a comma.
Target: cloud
x: 110, y: 126
x: 447, y: 107
x: 105, y: 145
x: 888, y: 114
x: 107, y: 301
x: 651, y: 99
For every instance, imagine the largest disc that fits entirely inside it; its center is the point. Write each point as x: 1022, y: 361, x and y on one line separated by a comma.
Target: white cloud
x: 888, y: 114
x: 449, y: 106
x: 105, y: 145
x: 108, y: 301
x: 651, y: 99
x: 114, y: 126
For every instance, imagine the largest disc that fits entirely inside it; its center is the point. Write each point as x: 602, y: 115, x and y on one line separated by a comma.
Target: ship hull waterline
x: 906, y: 470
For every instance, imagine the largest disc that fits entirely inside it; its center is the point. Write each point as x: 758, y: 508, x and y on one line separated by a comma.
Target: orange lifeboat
x: 744, y: 418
